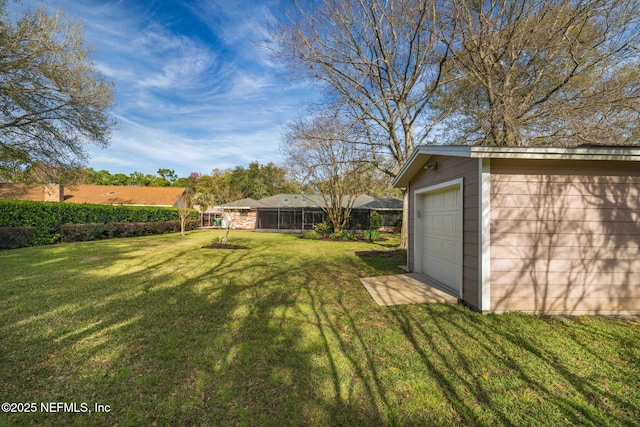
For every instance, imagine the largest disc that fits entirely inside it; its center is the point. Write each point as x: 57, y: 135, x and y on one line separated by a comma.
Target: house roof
x: 246, y: 203
x: 589, y: 152
x: 19, y: 191
x: 292, y: 201
x: 307, y: 201
x: 98, y: 194
x: 123, y: 195
x: 361, y: 201
x: 384, y: 203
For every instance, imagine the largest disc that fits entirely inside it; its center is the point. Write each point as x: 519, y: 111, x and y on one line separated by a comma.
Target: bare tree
x: 185, y: 209
x: 319, y: 151
x: 381, y: 61
x: 225, y: 195
x: 546, y: 72
x: 52, y: 99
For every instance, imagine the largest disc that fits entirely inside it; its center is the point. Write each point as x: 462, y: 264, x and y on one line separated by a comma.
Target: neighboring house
x: 545, y: 230
x: 238, y: 215
x: 94, y: 194
x: 300, y: 212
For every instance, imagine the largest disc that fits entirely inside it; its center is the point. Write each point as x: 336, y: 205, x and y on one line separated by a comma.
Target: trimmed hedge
x: 86, y: 232
x: 16, y: 237
x: 48, y: 217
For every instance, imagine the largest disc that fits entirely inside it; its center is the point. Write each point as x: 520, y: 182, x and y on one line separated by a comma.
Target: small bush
x: 345, y: 235
x: 16, y: 237
x: 312, y: 235
x: 88, y: 232
x: 82, y: 232
x: 371, y: 235
x: 376, y: 221
x: 348, y: 236
x: 324, y: 228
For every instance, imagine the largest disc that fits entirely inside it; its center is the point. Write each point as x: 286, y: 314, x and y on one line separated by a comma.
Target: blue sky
x: 195, y: 88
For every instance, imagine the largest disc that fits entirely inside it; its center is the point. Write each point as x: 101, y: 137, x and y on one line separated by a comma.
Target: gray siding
x: 565, y: 236
x: 450, y: 168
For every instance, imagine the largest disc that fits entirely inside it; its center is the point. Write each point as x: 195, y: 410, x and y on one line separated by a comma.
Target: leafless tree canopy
x: 495, y: 72
x: 318, y: 149
x: 552, y: 72
x: 52, y: 100
x: 380, y: 61
x: 490, y: 72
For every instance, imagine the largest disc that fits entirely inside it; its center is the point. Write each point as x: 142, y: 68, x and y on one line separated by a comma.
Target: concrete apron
x: 410, y: 288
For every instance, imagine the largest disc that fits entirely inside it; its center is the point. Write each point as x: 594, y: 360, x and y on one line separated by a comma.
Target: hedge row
x: 86, y: 232
x: 16, y: 237
x: 48, y: 217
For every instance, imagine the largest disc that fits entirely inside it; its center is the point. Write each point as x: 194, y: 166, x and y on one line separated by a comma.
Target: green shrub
x: 371, y: 235
x: 311, y: 235
x: 324, y: 228
x: 88, y: 232
x: 376, y: 221
x: 347, y: 236
x: 48, y: 217
x: 82, y: 232
x: 16, y: 237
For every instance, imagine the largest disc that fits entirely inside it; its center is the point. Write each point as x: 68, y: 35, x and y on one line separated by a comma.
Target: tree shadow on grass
x: 228, y: 344
x: 272, y: 337
x: 477, y: 360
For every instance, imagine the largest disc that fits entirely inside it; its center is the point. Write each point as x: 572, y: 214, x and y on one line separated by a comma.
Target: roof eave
x: 424, y: 152
x: 421, y: 155
x: 557, y: 153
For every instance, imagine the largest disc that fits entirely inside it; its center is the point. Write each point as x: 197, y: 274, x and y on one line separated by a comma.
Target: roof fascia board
x: 422, y: 154
x: 623, y: 154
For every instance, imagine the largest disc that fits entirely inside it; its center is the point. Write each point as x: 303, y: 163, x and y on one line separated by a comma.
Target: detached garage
x: 544, y: 230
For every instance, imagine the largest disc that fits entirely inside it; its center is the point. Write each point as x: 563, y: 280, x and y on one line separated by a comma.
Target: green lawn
x: 168, y: 333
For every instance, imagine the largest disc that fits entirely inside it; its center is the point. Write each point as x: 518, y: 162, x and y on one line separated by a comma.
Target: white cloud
x: 146, y: 149
x: 187, y: 99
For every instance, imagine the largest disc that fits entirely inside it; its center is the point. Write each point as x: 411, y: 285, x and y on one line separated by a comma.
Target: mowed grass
x: 168, y: 333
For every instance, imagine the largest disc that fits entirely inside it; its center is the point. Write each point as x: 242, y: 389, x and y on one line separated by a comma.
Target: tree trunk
x: 404, y: 231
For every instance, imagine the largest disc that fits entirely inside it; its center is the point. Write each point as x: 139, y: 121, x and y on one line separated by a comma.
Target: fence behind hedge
x: 48, y: 217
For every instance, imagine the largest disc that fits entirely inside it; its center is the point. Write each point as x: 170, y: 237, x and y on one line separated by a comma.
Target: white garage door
x: 442, y: 236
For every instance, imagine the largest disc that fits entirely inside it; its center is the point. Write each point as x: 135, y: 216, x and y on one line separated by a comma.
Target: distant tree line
x: 256, y: 181
x: 163, y: 178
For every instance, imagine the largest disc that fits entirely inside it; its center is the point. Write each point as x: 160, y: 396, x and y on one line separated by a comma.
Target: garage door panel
x: 441, y: 236
x: 443, y: 224
x: 445, y: 273
x: 442, y: 248
x: 450, y: 199
x: 432, y: 247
